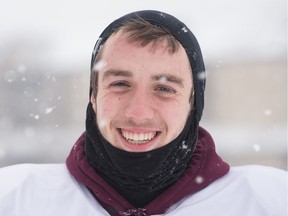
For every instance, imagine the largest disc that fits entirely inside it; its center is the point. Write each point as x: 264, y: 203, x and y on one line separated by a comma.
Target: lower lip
x: 142, y: 147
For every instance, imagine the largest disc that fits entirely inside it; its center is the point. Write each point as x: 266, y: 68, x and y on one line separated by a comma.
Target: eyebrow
x: 158, y: 77
x: 169, y: 78
x: 109, y: 73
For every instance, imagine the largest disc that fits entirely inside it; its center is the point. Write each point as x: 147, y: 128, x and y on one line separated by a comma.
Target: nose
x: 140, y: 106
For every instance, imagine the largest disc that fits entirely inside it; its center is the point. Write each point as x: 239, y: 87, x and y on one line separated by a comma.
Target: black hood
x: 182, y: 33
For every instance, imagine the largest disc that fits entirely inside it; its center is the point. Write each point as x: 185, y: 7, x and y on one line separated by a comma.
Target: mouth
x: 136, y: 138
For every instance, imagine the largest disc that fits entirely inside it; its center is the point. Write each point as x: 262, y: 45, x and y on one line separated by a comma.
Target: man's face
x: 142, y: 101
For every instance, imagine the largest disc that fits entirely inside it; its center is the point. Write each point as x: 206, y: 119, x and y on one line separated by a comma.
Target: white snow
x: 102, y: 123
x: 199, y: 179
x: 49, y: 110
x: 99, y: 66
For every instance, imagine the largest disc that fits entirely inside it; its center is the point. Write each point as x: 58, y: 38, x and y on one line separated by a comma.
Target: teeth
x: 138, y: 137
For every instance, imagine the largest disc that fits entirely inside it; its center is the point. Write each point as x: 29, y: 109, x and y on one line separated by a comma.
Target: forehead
x: 119, y: 52
x: 121, y: 38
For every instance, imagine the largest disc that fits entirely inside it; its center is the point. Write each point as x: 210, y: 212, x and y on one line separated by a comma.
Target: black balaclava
x: 141, y: 176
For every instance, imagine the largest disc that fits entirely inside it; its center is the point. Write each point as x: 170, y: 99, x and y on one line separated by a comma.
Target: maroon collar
x: 206, y: 166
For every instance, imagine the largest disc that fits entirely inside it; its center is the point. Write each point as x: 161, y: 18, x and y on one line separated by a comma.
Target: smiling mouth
x: 138, y: 137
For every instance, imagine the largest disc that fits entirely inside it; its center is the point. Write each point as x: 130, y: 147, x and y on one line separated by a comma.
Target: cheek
x: 103, y: 117
x: 107, y: 107
x: 102, y: 110
x: 176, y: 117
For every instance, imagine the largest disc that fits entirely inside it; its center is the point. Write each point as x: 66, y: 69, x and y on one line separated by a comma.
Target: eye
x: 165, y: 90
x: 119, y: 84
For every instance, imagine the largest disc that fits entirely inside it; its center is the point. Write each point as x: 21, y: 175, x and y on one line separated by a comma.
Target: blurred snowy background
x: 45, y: 49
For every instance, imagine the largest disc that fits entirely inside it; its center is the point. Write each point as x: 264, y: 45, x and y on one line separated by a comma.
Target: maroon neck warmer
x: 205, y: 165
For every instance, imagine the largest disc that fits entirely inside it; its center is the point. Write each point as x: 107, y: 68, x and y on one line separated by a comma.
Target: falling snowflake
x: 99, y: 66
x: 256, y: 147
x: 184, y: 146
x: 201, y: 75
x: 49, y: 110
x: 163, y: 79
x: 102, y: 123
x: 267, y: 112
x: 199, y: 179
x: 184, y: 29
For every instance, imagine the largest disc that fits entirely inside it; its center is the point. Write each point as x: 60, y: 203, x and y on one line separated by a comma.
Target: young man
x: 143, y: 151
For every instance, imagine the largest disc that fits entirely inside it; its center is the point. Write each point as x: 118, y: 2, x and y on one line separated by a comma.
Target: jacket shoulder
x: 15, y: 176
x: 246, y: 190
x: 44, y: 189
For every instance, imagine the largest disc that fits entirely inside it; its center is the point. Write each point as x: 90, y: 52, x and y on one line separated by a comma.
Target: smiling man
x: 141, y: 82
x: 143, y: 151
x: 141, y: 91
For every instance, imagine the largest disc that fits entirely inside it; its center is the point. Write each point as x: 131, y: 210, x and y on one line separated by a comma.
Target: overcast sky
x: 224, y: 28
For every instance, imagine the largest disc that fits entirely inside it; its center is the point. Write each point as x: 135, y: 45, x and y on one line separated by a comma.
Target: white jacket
x: 49, y: 190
